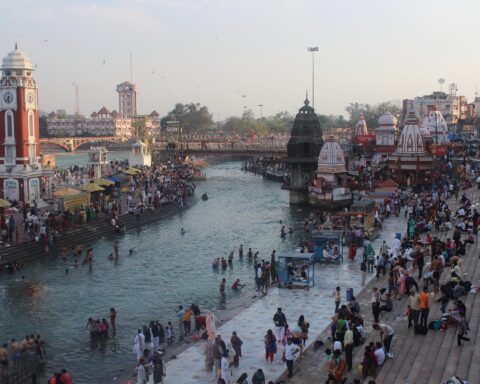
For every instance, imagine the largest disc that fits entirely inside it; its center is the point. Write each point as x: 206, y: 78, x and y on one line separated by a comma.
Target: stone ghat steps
x: 417, y: 359
x: 433, y: 357
x: 86, y: 234
x: 436, y: 357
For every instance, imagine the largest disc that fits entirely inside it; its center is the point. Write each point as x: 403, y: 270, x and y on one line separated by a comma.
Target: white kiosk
x: 140, y: 155
x: 97, y: 160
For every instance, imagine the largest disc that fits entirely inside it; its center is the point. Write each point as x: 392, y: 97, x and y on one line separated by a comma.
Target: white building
x: 331, y: 177
x: 101, y: 123
x: 435, y: 126
x: 140, y: 155
x: 452, y: 107
x: 386, y: 132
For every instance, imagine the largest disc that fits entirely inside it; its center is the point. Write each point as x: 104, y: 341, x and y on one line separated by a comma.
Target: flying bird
x: 45, y: 41
x: 104, y: 61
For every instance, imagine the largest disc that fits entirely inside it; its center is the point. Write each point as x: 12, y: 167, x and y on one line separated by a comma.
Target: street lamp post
x: 261, y: 110
x: 313, y: 50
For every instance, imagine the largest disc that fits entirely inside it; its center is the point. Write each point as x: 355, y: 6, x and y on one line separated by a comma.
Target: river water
x: 167, y: 270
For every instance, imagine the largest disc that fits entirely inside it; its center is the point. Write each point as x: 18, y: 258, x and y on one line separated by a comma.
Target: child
x: 338, y: 296
x: 170, y: 333
x: 462, y: 330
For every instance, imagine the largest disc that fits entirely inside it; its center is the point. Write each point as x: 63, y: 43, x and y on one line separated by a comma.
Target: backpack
x: 420, y: 329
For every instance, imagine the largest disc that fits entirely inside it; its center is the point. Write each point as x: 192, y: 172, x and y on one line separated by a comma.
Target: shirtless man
x: 115, y: 249
x: 16, y: 354
x: 24, y: 344
x: 4, y: 360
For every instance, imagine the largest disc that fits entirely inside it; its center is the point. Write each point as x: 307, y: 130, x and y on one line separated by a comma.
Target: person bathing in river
x: 115, y: 249
x: 216, y: 263
x: 236, y: 285
x: 182, y: 231
x: 230, y: 258
x: 224, y: 263
x: 240, y: 251
x: 250, y: 253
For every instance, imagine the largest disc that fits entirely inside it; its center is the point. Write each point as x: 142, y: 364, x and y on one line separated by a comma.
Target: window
x: 9, y: 123
x: 31, y: 127
x: 32, y: 153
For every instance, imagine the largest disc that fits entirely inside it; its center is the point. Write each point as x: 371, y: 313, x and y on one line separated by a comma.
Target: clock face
x: 30, y: 97
x: 8, y: 97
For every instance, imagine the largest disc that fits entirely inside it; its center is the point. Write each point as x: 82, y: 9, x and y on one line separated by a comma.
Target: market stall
x: 296, y: 270
x: 328, y: 245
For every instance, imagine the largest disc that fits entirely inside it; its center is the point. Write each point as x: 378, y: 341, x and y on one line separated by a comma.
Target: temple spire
x: 306, y: 102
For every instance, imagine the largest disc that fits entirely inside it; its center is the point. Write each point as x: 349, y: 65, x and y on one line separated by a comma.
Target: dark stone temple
x: 303, y: 149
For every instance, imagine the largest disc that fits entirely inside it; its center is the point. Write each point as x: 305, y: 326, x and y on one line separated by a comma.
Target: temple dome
x: 306, y: 136
x: 361, y: 128
x: 17, y: 60
x: 411, y: 141
x: 331, y: 158
x: 387, y: 120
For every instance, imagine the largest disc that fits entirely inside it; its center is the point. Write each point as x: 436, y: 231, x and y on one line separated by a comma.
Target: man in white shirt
x: 289, y: 354
x: 386, y: 333
x: 379, y: 354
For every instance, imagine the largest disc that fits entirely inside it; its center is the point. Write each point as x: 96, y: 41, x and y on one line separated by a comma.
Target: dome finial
x: 306, y: 102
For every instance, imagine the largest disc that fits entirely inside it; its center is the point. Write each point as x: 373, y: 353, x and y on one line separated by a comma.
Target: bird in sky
x: 45, y: 41
x: 104, y: 62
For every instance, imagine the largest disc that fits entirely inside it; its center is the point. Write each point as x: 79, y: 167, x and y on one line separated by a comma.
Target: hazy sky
x: 214, y: 52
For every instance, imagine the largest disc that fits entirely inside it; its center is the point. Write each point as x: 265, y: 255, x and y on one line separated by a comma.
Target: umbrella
x: 61, y: 192
x: 91, y: 187
x: 104, y: 182
x: 131, y: 171
x: 4, y: 203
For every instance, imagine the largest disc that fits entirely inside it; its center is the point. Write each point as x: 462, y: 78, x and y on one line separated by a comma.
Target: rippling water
x: 66, y: 159
x: 168, y: 269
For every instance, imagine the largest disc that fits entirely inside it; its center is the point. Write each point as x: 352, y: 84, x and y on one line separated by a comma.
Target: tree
x: 193, y: 118
x: 371, y: 113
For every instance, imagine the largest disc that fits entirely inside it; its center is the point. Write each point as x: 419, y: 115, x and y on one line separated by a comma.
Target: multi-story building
x: 127, y: 99
x: 452, y: 107
x: 22, y: 177
x: 123, y: 124
x: 101, y: 123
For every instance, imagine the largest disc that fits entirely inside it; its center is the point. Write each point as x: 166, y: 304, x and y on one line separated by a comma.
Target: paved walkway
x: 417, y: 359
x: 251, y: 325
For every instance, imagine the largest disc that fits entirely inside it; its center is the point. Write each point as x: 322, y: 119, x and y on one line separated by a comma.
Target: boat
x: 204, y: 197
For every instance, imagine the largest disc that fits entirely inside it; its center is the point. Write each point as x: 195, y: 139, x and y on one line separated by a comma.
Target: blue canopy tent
x: 328, y: 239
x: 296, y: 269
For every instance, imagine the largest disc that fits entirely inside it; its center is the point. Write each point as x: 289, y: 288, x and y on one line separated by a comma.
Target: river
x: 167, y: 270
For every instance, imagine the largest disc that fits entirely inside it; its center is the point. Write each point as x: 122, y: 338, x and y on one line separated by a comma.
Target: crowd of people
x: 413, y: 268
x: 19, y: 352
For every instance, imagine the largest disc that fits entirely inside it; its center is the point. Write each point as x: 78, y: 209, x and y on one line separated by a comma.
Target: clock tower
x: 21, y: 175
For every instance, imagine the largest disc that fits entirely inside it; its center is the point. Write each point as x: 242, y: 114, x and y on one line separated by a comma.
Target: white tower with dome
x: 386, y: 131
